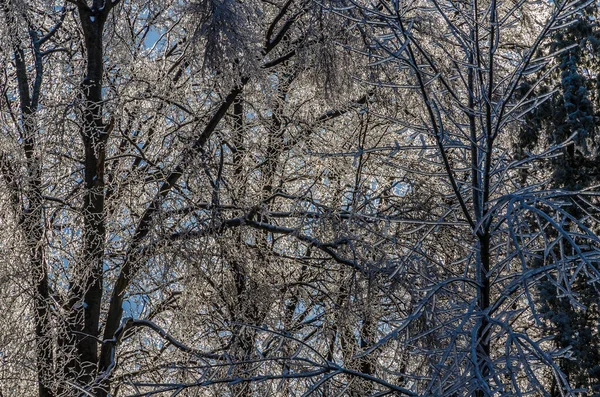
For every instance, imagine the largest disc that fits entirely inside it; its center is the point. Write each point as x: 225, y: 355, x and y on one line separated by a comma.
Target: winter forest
x: 300, y: 198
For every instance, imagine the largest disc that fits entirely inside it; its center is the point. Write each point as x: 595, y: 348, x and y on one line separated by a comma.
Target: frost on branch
x: 225, y: 31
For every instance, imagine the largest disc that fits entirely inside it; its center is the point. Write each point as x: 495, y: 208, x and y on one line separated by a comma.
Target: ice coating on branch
x: 224, y: 28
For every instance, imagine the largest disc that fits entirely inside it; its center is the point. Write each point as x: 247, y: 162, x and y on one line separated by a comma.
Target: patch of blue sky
x: 401, y: 189
x: 316, y: 311
x: 152, y: 38
x: 226, y: 150
x: 134, y: 306
x: 347, y: 198
x: 154, y: 42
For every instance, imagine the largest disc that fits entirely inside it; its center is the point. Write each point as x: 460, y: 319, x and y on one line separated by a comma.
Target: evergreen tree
x: 573, y: 112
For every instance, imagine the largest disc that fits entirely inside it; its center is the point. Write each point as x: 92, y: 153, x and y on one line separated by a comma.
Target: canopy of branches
x: 299, y: 198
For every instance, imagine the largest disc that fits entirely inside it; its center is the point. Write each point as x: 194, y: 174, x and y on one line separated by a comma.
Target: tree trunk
x: 88, y: 294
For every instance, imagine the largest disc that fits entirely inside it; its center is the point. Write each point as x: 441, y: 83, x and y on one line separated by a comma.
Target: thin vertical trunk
x: 482, y: 188
x: 367, y: 336
x: 246, y: 310
x: 32, y: 218
x: 483, y: 331
x: 276, y: 145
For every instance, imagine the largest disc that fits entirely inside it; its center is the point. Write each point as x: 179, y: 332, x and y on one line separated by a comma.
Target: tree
x: 467, y: 62
x: 269, y: 198
x: 101, y: 157
x: 571, y: 114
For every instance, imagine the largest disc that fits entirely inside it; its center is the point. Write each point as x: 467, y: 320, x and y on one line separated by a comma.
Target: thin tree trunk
x: 31, y: 219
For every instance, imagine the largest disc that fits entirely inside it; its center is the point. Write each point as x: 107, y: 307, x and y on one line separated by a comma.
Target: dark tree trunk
x: 87, y: 294
x: 483, y: 332
x: 30, y: 210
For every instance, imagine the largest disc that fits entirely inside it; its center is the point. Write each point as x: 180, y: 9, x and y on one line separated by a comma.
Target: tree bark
x: 87, y: 295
